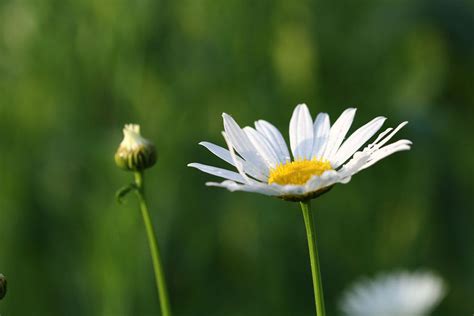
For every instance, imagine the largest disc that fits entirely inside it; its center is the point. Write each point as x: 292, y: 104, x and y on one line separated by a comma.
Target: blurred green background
x: 73, y: 72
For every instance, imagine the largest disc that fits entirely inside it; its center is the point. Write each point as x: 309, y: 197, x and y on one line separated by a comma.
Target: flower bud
x: 135, y: 153
x: 3, y: 286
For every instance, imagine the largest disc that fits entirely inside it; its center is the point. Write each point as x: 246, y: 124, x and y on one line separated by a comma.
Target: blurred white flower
x: 322, y: 155
x: 395, y: 294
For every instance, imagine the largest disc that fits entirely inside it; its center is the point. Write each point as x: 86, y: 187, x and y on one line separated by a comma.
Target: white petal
x: 327, y: 179
x: 381, y: 135
x: 274, y: 137
x: 255, y: 188
x: 223, y: 173
x: 225, y: 155
x: 242, y: 144
x: 345, y: 180
x: 386, y: 151
x: 301, y: 133
x: 338, y: 132
x: 290, y: 189
x: 219, y: 151
x: 238, y: 164
x: 262, y: 146
x: 354, y: 165
x: 321, y: 134
x: 386, y: 139
x: 357, y: 139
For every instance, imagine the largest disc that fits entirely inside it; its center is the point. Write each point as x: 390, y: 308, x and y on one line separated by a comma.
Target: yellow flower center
x: 298, y: 172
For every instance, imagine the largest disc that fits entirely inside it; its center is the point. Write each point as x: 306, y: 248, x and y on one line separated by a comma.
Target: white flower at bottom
x: 396, y: 294
x: 321, y: 157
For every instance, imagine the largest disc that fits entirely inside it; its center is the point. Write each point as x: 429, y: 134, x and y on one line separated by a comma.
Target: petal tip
x: 301, y: 107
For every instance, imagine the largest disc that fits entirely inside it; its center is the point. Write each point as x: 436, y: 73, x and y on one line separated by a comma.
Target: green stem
x: 314, y: 258
x: 154, y: 250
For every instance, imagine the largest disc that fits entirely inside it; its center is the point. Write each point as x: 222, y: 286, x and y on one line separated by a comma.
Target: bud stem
x: 314, y: 258
x: 154, y: 250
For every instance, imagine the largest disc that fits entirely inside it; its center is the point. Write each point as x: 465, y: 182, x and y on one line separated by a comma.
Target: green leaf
x: 122, y: 192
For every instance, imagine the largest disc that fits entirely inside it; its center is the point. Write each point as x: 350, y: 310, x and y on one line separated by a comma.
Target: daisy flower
x: 321, y: 158
x: 396, y: 294
x: 321, y: 154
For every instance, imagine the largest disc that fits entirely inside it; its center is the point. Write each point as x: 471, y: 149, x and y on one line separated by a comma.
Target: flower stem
x: 314, y: 258
x: 154, y: 250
